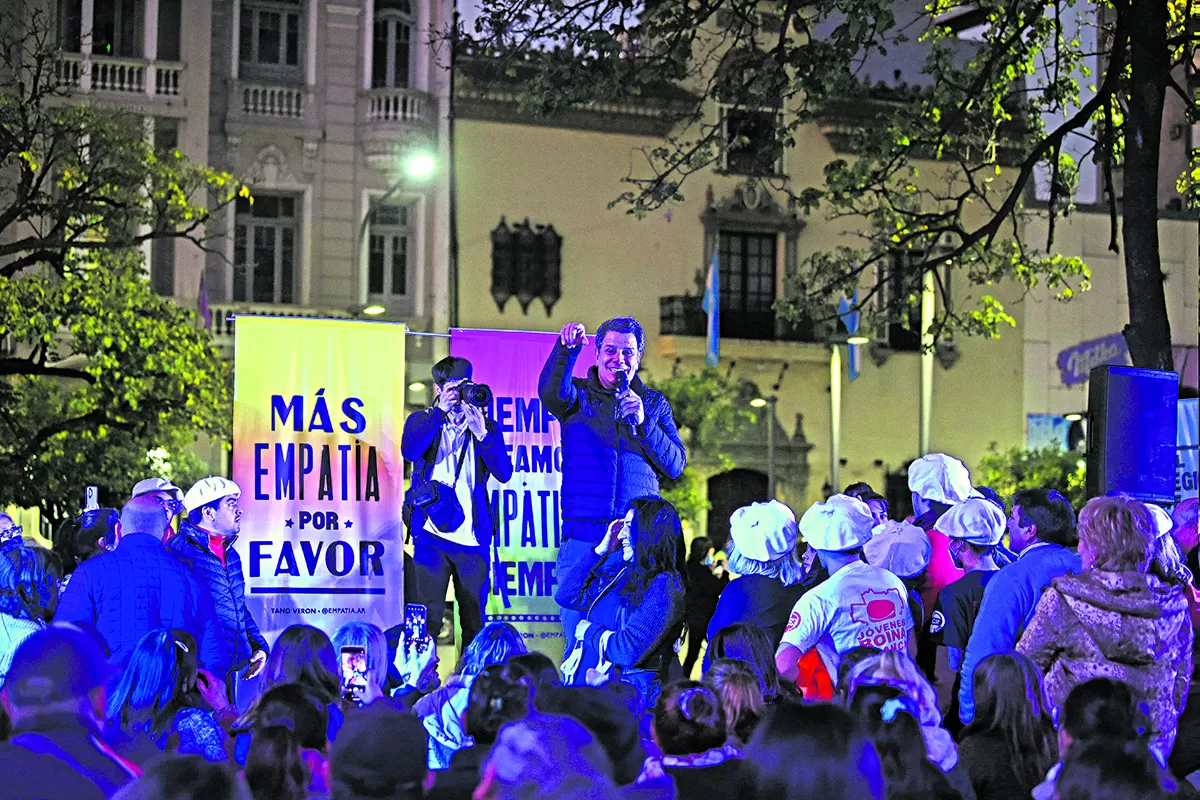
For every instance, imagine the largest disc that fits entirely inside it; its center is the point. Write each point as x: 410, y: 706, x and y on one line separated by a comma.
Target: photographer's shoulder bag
x: 438, y: 499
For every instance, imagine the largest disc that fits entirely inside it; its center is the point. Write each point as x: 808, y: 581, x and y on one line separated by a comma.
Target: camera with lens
x: 476, y: 394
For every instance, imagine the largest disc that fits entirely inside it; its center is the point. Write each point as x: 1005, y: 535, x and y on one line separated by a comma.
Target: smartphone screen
x: 416, y: 624
x: 354, y: 671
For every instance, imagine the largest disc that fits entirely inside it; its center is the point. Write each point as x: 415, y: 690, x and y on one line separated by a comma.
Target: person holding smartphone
x: 454, y: 444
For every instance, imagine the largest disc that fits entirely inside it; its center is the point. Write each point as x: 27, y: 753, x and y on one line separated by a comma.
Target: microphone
x: 622, y: 377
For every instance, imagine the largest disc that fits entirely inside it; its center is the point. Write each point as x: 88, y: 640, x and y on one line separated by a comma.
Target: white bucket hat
x: 900, y: 548
x: 974, y: 521
x: 763, y: 531
x: 940, y: 478
x: 840, y: 523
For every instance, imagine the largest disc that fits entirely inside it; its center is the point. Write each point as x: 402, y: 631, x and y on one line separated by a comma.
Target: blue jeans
x: 569, y: 554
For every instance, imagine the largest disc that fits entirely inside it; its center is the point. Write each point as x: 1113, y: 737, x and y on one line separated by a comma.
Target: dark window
x: 117, y: 27
x: 264, y: 250
x: 166, y: 134
x: 388, y: 250
x: 269, y: 35
x: 753, y: 148
x: 526, y: 264
x: 901, y: 299
x: 747, y: 285
x: 391, y: 57
x: 70, y: 20
x: 170, y: 22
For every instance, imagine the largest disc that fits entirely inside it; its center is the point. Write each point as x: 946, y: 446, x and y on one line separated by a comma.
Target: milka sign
x: 1075, y: 363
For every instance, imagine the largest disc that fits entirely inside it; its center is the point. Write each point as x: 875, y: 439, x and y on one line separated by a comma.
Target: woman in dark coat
x: 631, y: 589
x: 706, y: 580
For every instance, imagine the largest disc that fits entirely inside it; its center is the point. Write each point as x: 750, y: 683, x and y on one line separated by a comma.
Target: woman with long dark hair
x: 1011, y: 743
x: 302, y: 655
x: 289, y: 757
x: 161, y: 696
x: 742, y: 642
x: 892, y: 720
x: 632, y: 591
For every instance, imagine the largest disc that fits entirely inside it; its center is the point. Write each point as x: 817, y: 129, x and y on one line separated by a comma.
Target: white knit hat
x: 208, y: 490
x: 975, y: 521
x: 899, y: 547
x: 840, y: 523
x: 763, y: 531
x: 939, y: 478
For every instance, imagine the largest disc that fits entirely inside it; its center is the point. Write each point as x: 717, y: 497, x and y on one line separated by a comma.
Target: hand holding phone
x: 354, y: 673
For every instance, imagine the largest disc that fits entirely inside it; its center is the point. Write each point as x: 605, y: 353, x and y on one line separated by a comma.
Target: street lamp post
x: 835, y: 415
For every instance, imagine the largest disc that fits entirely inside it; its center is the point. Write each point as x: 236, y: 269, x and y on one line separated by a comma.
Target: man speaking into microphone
x: 618, y: 436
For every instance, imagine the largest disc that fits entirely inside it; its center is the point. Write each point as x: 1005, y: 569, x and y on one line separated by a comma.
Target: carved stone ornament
x: 270, y: 168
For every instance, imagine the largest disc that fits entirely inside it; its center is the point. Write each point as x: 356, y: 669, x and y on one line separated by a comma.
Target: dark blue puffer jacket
x: 137, y: 588
x: 604, y: 464
x: 236, y: 633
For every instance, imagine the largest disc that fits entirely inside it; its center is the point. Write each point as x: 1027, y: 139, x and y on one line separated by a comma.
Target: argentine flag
x: 712, y: 305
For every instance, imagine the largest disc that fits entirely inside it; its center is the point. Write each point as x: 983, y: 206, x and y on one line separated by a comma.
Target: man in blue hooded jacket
x: 205, y: 543
x: 1041, y: 529
x: 618, y: 436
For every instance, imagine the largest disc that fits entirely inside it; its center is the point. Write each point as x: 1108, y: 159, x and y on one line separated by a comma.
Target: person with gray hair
x: 137, y: 588
x: 371, y: 639
x: 762, y: 552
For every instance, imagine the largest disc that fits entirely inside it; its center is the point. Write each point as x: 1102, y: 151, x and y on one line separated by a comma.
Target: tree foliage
x: 708, y: 410
x: 97, y: 371
x: 104, y: 371
x: 941, y: 170
x: 1006, y: 471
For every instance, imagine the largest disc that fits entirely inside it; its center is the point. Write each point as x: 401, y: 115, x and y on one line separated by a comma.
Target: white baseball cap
x: 901, y: 548
x: 151, y: 485
x: 940, y: 478
x: 208, y: 490
x: 840, y: 523
x: 974, y: 521
x: 763, y: 531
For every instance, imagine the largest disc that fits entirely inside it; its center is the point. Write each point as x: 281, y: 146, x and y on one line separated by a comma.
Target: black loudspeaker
x: 1131, y: 433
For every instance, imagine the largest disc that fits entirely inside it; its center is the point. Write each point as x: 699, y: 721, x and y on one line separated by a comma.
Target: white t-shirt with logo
x: 858, y: 606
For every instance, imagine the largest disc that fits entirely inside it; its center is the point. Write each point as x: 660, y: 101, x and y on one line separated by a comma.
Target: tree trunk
x: 1149, y: 331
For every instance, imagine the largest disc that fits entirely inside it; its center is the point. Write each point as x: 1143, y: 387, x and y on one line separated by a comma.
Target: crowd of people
x: 982, y: 647
x: 1059, y: 666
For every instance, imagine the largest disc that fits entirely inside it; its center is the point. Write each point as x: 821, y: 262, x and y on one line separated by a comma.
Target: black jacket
x: 419, y: 444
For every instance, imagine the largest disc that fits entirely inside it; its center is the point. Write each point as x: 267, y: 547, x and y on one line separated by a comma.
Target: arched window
x: 391, y: 59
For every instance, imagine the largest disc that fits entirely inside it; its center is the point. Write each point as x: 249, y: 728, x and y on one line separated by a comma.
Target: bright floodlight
x: 374, y: 310
x: 416, y: 386
x: 758, y: 402
x: 858, y: 338
x: 419, y: 165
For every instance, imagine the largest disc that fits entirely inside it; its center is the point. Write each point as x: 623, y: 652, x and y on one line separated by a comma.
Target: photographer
x: 454, y: 449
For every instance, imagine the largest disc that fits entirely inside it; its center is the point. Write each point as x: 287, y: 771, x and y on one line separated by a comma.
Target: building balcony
x: 122, y: 78
x: 392, y: 120
x: 265, y: 103
x: 745, y: 335
x: 224, y: 317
